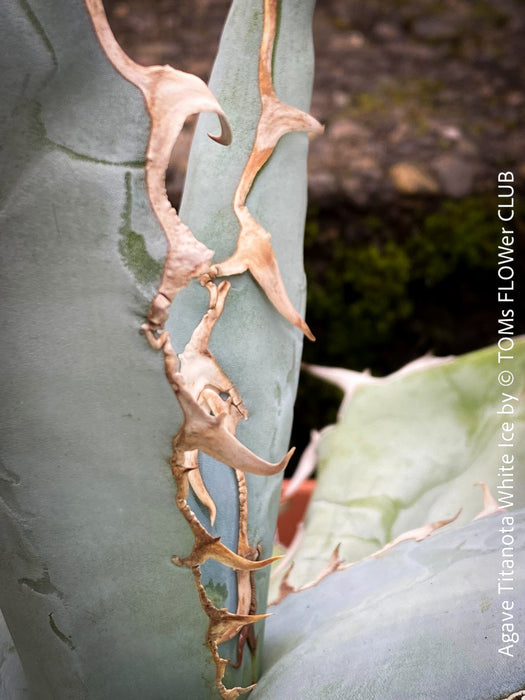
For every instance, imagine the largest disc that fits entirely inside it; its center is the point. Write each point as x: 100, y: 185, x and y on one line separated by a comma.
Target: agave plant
x: 138, y: 503
x: 150, y: 366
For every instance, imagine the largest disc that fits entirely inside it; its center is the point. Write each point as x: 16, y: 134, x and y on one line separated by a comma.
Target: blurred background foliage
x: 414, y: 280
x: 423, y: 103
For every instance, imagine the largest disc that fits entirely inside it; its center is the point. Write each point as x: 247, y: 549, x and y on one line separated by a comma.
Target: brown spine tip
x: 308, y: 333
x: 225, y: 137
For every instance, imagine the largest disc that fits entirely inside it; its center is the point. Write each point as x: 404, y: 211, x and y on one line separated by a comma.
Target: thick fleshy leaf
x: 422, y: 621
x: 13, y: 683
x: 408, y: 450
x: 88, y: 520
x: 267, y: 389
x: 89, y: 525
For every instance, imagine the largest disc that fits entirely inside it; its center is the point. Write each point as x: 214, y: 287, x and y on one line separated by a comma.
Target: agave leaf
x: 407, y: 451
x: 13, y: 683
x: 89, y: 526
x: 422, y: 621
x: 88, y: 521
x: 278, y: 202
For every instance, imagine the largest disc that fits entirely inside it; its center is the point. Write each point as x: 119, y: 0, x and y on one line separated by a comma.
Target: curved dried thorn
x: 212, y: 548
x: 255, y: 253
x: 225, y: 137
x: 224, y: 629
x: 269, y: 278
x: 224, y: 625
x: 200, y: 431
x: 202, y: 374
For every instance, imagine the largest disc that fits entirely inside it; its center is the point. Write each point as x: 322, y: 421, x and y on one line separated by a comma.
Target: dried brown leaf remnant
x: 336, y: 563
x: 418, y: 534
x: 209, y: 425
x: 205, y: 545
x: 208, y: 433
x: 285, y: 587
x: 170, y: 96
x: 211, y: 404
x: 254, y: 250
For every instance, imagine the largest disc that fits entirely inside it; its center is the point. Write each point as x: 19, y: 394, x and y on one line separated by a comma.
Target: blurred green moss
x: 390, y: 286
x: 463, y: 232
x: 364, y: 284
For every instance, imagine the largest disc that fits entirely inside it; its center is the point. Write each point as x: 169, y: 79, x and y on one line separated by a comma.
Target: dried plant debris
x: 170, y: 97
x: 336, y: 563
x: 285, y: 587
x: 211, y: 404
x: 254, y: 250
x: 418, y: 534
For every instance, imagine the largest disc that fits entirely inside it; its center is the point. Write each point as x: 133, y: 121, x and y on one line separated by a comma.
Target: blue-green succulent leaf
x: 424, y: 621
x: 408, y: 450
